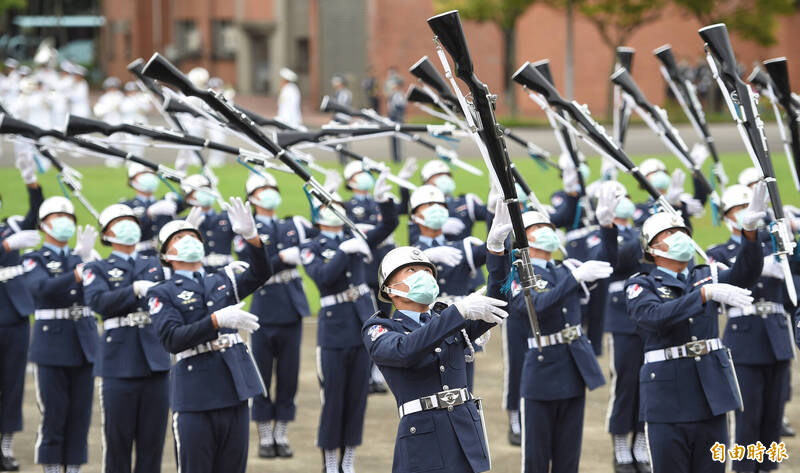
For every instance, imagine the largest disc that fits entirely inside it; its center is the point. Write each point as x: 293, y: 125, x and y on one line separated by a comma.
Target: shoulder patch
x: 306, y: 256
x: 376, y: 331
x: 155, y: 305
x: 633, y: 291
x: 88, y: 277
x: 28, y: 265
x: 556, y: 200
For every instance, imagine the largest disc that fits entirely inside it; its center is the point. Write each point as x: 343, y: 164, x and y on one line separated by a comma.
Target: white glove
x: 86, y: 236
x: 22, y: 239
x: 491, y: 200
x: 592, y: 270
x: 234, y: 317
x: 772, y: 268
x: 196, y: 217
x: 238, y: 266
x: 607, y: 204
x: 408, y: 169
x: 162, y: 207
x: 501, y: 227
x: 699, y: 153
x: 727, y: 294
x: 381, y: 190
x: 693, y: 206
x: 140, y: 287
x: 290, y: 255
x: 27, y: 168
x: 356, y: 245
x: 332, y: 181
x: 757, y: 209
x: 720, y: 172
x: 241, y: 217
x: 446, y: 255
x: 569, y: 176
x: 453, y: 226
x: 675, y: 188
x: 478, y: 307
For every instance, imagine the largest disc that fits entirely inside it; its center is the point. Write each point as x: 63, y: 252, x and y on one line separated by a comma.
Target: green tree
x: 504, y: 14
x: 754, y: 20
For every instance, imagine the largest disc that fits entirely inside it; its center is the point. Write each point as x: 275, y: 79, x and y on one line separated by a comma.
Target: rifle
x: 779, y: 73
x: 742, y: 103
x: 622, y: 112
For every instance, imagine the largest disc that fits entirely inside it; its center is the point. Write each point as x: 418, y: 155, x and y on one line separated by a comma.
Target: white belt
x: 692, y: 349
x: 10, y: 272
x: 226, y: 340
x: 217, y: 259
x: 68, y: 313
x: 134, y: 319
x: 146, y: 245
x: 616, y: 286
x: 759, y: 308
x: 566, y: 335
x: 283, y: 277
x: 441, y: 400
x: 348, y: 295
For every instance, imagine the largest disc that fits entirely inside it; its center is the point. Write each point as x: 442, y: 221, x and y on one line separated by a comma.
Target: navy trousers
x: 212, y: 441
x: 515, y: 344
x: 14, y: 341
x: 277, y: 345
x: 65, y: 401
x: 552, y: 432
x: 686, y: 447
x: 627, y: 356
x: 344, y: 376
x: 135, y: 411
x: 762, y: 389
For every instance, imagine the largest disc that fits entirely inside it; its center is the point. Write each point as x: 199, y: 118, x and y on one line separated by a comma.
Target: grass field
x: 104, y: 186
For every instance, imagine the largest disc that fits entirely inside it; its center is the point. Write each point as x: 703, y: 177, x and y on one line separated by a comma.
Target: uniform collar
x: 332, y: 235
x: 627, y: 226
x: 737, y: 238
x: 685, y: 272
x: 429, y: 241
x: 265, y: 219
x: 412, y: 314
x: 190, y: 274
x: 59, y: 250
x: 145, y: 199
x: 124, y: 256
x: 361, y: 197
x: 542, y: 263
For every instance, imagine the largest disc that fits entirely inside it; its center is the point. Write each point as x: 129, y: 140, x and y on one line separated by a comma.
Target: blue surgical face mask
x: 328, y: 218
x: 363, y: 181
x: 147, y: 182
x: 625, y: 209
x: 585, y: 171
x: 422, y: 288
x: 660, y: 180
x: 523, y: 198
x: 190, y: 250
x: 268, y: 199
x: 546, y: 239
x: 61, y: 228
x: 680, y: 247
x: 126, y: 232
x: 204, y: 198
x: 435, y: 216
x: 446, y: 184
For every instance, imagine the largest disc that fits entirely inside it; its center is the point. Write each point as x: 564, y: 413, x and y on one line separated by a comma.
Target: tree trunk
x: 509, y: 58
x: 569, y: 56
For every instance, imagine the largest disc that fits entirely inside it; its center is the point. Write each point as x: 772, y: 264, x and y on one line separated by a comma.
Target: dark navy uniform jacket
x: 455, y: 280
x: 365, y: 211
x: 560, y: 371
x: 50, y: 277
x: 334, y: 271
x: 180, y: 309
x: 565, y: 210
x: 467, y: 207
x: 755, y: 339
x: 149, y: 225
x: 419, y: 361
x: 669, y: 312
x: 629, y: 261
x: 125, y: 352
x: 278, y: 303
x: 16, y: 302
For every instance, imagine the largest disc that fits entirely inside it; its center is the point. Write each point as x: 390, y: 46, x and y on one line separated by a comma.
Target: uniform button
x: 445, y: 387
x: 211, y: 244
x: 441, y: 368
x: 450, y: 408
x: 691, y: 320
x: 442, y: 281
x: 45, y: 328
x: 222, y: 350
x: 734, y: 326
x: 413, y: 430
x: 108, y: 339
x: 280, y: 246
x: 439, y: 267
x: 652, y: 375
x: 614, y: 299
x: 209, y: 233
x: 116, y: 284
x: 189, y: 368
x: 209, y: 303
x: 438, y: 350
x: 697, y: 358
x: 191, y: 307
x: 262, y: 292
x: 564, y: 311
x: 761, y: 284
x: 540, y: 357
x: 328, y: 313
x: 694, y: 339
x: 348, y: 274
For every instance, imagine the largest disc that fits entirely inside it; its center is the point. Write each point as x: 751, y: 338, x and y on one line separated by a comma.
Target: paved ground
x: 381, y: 424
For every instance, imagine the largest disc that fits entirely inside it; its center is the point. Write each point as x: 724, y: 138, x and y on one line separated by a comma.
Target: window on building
x: 224, y: 37
x: 302, y: 58
x: 188, y: 42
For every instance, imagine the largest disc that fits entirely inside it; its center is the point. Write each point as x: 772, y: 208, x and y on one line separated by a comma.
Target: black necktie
x: 424, y: 318
x: 198, y: 276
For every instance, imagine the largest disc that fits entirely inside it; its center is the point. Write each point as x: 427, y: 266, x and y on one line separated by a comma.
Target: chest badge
x: 186, y: 296
x: 665, y: 292
x: 328, y: 254
x: 541, y: 285
x: 116, y: 273
x: 54, y: 266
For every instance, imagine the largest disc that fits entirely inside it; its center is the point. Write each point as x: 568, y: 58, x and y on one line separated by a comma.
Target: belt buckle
x: 75, y: 313
x: 570, y: 334
x: 763, y: 309
x: 222, y: 343
x: 449, y: 398
x: 426, y: 403
x: 697, y: 348
x: 139, y: 319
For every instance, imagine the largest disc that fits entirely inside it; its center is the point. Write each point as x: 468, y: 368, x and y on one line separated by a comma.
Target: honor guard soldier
x: 335, y: 261
x: 280, y: 305
x: 420, y: 349
x: 215, y: 227
x: 16, y: 303
x: 64, y: 338
x: 133, y: 365
x: 672, y: 188
x: 687, y: 383
x: 152, y: 214
x: 197, y: 316
x: 556, y: 374
x: 627, y: 348
x: 759, y: 338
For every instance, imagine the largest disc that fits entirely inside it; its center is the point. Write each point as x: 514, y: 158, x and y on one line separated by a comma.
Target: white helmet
x: 656, y: 224
x: 54, y: 205
x: 749, y: 176
x: 168, y: 231
x: 111, y: 213
x: 534, y: 217
x: 134, y: 169
x: 432, y: 168
x: 352, y: 168
x: 426, y: 194
x: 396, y: 259
x: 112, y: 83
x: 199, y: 77
x: 194, y: 181
x: 257, y: 181
x: 735, y: 195
x: 651, y: 165
x: 288, y: 74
